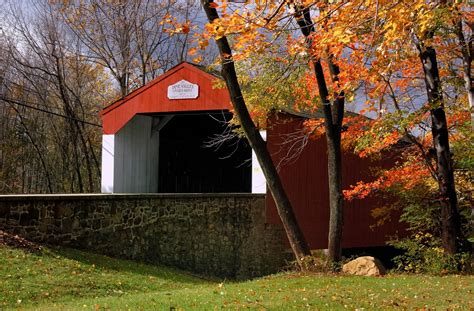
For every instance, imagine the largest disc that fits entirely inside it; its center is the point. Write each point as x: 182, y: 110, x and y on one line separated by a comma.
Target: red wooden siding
x: 306, y: 181
x: 152, y: 98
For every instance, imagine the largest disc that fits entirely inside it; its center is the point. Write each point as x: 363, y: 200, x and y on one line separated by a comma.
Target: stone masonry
x: 221, y: 235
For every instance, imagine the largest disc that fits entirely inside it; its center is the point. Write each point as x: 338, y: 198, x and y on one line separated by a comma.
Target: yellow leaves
x: 203, y: 43
x: 404, y: 20
x: 178, y: 28
x: 350, y: 97
x: 197, y: 59
x: 250, y: 26
x: 341, y: 35
x: 371, y: 42
x: 216, y: 29
x: 192, y: 51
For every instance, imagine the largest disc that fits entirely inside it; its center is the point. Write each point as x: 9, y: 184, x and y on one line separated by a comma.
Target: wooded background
x: 60, y: 64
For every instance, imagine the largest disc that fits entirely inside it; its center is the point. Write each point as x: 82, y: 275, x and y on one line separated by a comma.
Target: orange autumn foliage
x: 372, y: 42
x: 406, y: 177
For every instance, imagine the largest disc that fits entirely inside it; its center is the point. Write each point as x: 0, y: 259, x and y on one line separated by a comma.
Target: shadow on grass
x: 107, y: 263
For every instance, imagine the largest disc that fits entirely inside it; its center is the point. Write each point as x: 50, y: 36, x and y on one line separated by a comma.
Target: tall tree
x: 450, y: 219
x: 333, y: 118
x: 258, y: 30
x: 402, y: 45
x: 297, y: 241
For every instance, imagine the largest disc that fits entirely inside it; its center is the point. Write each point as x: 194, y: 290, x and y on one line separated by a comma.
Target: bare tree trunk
x: 467, y: 50
x: 333, y: 117
x: 73, y: 124
x: 37, y: 149
x: 295, y: 236
x: 450, y: 219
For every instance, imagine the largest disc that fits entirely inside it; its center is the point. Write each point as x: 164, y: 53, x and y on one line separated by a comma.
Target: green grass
x: 69, y: 279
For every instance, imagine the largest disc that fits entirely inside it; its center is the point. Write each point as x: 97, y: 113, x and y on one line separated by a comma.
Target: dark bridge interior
x: 187, y: 166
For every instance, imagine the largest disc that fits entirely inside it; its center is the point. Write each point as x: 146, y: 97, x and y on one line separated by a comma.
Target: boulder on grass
x: 366, y: 265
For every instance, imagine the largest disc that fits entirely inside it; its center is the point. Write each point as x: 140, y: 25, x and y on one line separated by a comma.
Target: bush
x: 423, y: 254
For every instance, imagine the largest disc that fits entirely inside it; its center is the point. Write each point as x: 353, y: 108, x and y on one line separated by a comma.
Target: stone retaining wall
x: 223, y: 235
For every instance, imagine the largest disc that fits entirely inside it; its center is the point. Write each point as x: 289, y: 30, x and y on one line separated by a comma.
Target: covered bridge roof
x: 168, y: 93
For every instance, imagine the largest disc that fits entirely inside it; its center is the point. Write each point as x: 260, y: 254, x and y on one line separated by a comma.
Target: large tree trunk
x: 333, y: 116
x: 450, y: 219
x: 336, y: 199
x: 295, y: 236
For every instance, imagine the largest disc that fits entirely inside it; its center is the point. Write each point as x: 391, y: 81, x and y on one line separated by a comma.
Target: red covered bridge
x: 305, y: 179
x: 154, y: 141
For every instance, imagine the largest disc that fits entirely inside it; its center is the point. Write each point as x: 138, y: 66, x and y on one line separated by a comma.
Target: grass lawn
x: 73, y: 280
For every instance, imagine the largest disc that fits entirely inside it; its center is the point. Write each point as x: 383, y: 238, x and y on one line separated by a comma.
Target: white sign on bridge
x: 182, y: 90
